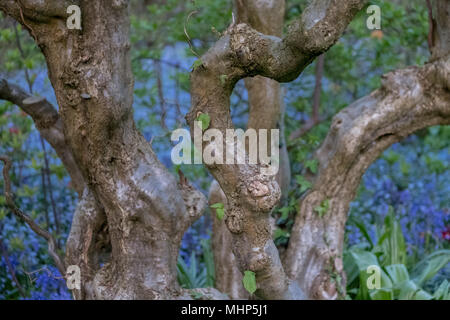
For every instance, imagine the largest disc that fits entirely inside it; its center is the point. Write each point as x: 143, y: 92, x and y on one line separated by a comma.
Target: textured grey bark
x: 265, y: 108
x: 147, y: 210
x: 408, y: 100
x: 228, y: 275
x: 251, y: 195
x: 135, y: 207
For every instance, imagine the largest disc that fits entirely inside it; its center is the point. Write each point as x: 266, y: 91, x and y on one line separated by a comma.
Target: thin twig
x: 315, y: 119
x: 430, y: 25
x: 22, y: 54
x: 191, y: 47
x: 25, y: 218
x: 19, y: 4
x: 47, y: 174
x: 9, y: 266
x: 318, y: 87
x: 50, y: 187
x: 162, y: 100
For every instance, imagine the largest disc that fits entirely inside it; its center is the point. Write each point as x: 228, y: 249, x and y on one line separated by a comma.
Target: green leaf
x: 16, y: 244
x: 311, y: 165
x: 197, y: 63
x: 408, y: 290
x: 218, y: 205
x: 2, y: 213
x: 280, y: 233
x: 35, y: 165
x: 363, y: 259
x: 303, y: 183
x: 208, y: 259
x: 398, y: 273
x: 360, y: 225
x: 443, y: 292
x: 220, y: 210
x: 205, y: 121
x: 382, y: 294
x: 58, y: 170
x: 284, y: 212
x: 29, y: 64
x: 392, y: 243
x: 220, y: 213
x: 249, y: 281
x: 430, y: 265
x: 351, y: 268
x: 190, y: 277
x: 323, y: 208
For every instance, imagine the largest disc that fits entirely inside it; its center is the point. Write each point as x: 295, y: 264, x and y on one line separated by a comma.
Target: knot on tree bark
x: 248, y: 46
x: 235, y: 220
x: 260, y: 193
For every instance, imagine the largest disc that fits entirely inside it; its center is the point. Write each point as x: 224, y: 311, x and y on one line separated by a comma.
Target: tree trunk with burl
x: 133, y: 212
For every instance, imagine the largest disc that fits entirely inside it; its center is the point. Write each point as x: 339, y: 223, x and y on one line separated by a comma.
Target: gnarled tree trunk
x: 131, y: 204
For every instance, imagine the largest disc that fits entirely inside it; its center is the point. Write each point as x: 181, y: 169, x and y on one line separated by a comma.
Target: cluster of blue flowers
x: 49, y: 285
x: 412, y: 179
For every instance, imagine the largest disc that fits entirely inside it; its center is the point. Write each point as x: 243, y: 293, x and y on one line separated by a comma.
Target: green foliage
x: 280, y: 233
x: 303, y: 183
x: 389, y: 256
x: 220, y: 210
x: 443, y: 292
x: 197, y: 275
x: 430, y: 265
x: 197, y: 63
x: 352, y: 69
x: 322, y: 209
x: 249, y: 281
x: 208, y: 260
x: 391, y: 247
x: 311, y: 165
x: 437, y: 138
x: 205, y: 120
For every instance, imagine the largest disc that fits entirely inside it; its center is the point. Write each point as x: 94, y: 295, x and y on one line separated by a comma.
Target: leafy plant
x: 388, y: 256
x: 194, y: 274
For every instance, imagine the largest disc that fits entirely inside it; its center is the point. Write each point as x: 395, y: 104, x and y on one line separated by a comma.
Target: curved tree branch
x: 251, y: 195
x: 265, y: 109
x: 409, y: 100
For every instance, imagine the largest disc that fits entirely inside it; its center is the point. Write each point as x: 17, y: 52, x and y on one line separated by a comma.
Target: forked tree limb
x: 251, y: 194
x: 265, y: 107
x: 144, y: 205
x: 408, y: 100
